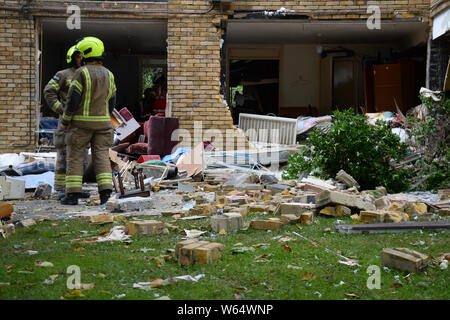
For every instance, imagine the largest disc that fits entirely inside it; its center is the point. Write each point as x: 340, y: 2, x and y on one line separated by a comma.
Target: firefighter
x: 92, y: 97
x: 55, y: 94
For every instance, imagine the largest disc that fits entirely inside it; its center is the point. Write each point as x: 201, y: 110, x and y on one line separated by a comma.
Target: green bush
x: 430, y: 137
x: 360, y: 149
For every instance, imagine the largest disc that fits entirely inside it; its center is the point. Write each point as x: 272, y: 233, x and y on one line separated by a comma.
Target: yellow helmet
x: 73, y: 49
x: 91, y: 47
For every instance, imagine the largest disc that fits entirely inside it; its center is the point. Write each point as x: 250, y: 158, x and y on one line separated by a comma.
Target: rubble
x: 294, y: 208
x: 43, y: 191
x: 371, y: 216
x: 404, y: 259
x: 11, y: 188
x: 266, y: 224
x: 347, y: 179
x: 26, y: 223
x: 227, y: 222
x: 145, y: 227
x: 129, y: 204
x: 193, y: 251
x: 340, y: 198
x: 289, y: 218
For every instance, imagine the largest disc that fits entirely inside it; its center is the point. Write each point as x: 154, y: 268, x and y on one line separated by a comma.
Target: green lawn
x: 278, y: 278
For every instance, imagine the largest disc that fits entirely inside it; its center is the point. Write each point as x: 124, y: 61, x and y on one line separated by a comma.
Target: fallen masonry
x: 266, y: 224
x: 145, y: 227
x: 129, y: 204
x: 228, y: 222
x: 193, y: 251
x: 404, y: 259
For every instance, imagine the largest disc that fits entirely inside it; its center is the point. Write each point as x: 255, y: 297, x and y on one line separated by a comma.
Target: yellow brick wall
x: 17, y: 83
x: 193, y: 49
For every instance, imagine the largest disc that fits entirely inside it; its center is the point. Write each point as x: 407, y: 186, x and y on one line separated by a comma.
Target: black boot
x: 70, y: 199
x: 104, y: 196
x: 85, y: 195
x: 61, y: 194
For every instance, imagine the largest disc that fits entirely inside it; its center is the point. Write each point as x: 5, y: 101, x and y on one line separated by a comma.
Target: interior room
x: 325, y: 65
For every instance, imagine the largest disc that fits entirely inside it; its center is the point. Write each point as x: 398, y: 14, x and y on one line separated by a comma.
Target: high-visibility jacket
x: 96, y: 85
x: 56, y: 90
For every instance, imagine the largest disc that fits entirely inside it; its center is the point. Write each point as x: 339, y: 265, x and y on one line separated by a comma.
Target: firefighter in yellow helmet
x: 92, y: 97
x: 55, y: 94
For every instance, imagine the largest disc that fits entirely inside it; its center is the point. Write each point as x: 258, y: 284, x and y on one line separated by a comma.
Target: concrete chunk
x: 347, y: 179
x: 145, y: 227
x: 43, y: 191
x: 129, y: 204
x: 294, y: 208
x: 344, y: 199
x: 404, y: 259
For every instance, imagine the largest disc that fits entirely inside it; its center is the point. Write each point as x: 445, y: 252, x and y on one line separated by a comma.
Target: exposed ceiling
x: 119, y: 36
x: 296, y: 32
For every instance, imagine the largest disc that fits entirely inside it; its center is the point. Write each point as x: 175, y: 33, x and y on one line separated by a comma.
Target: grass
x: 124, y: 264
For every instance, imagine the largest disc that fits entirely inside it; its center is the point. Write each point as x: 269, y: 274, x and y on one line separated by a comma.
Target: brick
x: 395, y: 216
x: 194, y: 251
x: 404, y: 259
x: 203, y: 209
x: 398, y: 207
x: 228, y: 221
x: 328, y: 211
x: 265, y: 224
x: 343, y: 211
x: 210, y: 188
x: 417, y: 208
x: 307, y: 218
x: 101, y: 218
x: 257, y: 208
x: 145, y: 227
x: 294, y: 208
x: 208, y: 253
x: 371, y: 216
x: 181, y: 244
x: 344, y: 199
x: 289, y: 218
x: 186, y: 253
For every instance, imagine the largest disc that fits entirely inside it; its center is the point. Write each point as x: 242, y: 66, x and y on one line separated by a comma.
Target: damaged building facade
x: 223, y: 58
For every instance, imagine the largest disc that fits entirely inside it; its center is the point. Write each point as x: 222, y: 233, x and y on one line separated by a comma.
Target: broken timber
x: 392, y: 227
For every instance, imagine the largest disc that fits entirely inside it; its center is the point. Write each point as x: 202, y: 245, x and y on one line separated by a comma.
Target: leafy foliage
x: 362, y: 150
x: 430, y: 137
